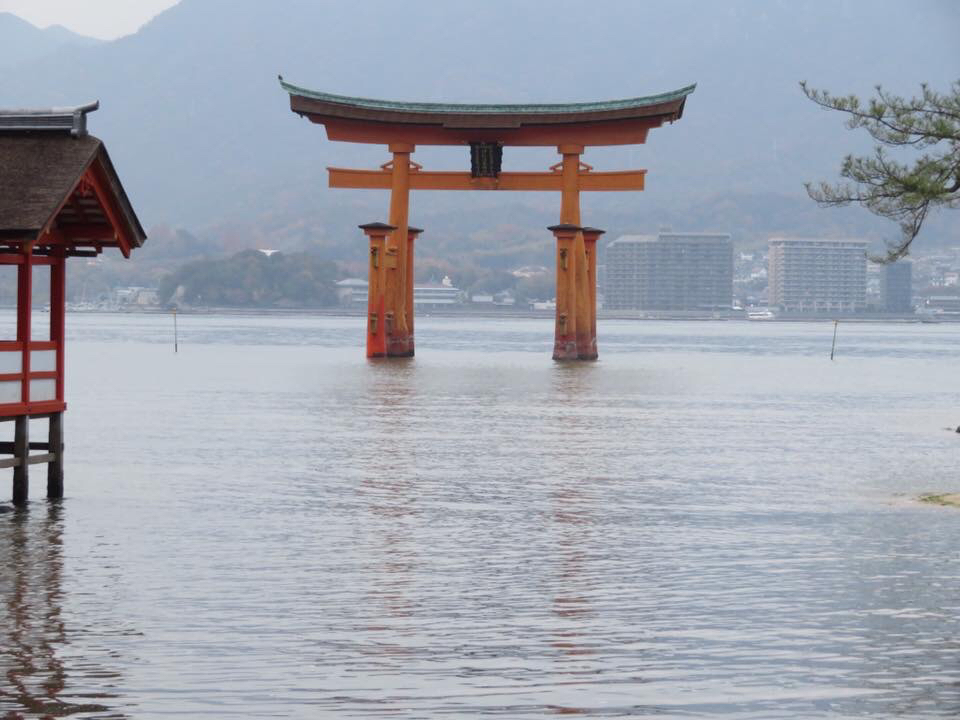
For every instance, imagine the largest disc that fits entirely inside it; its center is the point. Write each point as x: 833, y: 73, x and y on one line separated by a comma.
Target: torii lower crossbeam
x: 513, y: 181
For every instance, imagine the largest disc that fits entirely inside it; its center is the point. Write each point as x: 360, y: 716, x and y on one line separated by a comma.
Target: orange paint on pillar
x: 398, y: 333
x: 376, y: 302
x: 590, y: 237
x: 565, y: 332
x: 565, y: 336
x: 412, y: 233
x: 582, y: 298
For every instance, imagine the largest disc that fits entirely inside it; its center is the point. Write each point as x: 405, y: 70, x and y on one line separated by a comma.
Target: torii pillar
x: 398, y: 329
x: 376, y: 300
x: 590, y: 237
x: 565, y: 329
x: 575, y: 335
x: 412, y: 233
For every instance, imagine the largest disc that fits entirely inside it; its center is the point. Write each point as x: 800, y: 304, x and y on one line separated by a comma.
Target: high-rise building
x: 896, y: 287
x: 807, y: 275
x: 669, y: 271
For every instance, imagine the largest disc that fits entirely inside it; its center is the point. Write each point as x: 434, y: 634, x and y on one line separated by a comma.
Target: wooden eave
x: 82, y: 207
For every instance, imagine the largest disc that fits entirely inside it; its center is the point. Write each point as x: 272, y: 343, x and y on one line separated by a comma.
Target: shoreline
x: 488, y: 313
x: 942, y: 499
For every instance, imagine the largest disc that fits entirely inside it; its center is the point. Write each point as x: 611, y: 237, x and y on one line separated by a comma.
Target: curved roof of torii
x: 612, y: 122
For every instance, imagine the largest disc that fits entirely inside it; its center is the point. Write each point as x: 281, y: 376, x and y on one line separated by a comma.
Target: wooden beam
x: 42, y: 408
x: 37, y: 459
x: 86, y: 231
x: 112, y: 212
x: 626, y: 180
x: 631, y: 131
x: 7, y: 447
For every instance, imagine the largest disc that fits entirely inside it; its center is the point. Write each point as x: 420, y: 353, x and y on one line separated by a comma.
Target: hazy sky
x: 106, y: 19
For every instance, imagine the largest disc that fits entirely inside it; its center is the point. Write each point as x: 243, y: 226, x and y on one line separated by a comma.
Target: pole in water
x: 834, y: 346
x: 175, y: 339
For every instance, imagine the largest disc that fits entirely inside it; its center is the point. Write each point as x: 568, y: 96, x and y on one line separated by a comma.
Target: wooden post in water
x: 21, y: 455
x: 572, y: 338
x: 412, y: 233
x: 565, y: 331
x: 376, y: 288
x: 398, y: 332
x: 590, y: 237
x: 55, y: 465
x: 582, y: 294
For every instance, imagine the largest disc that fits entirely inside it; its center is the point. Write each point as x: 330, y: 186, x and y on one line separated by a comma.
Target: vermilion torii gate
x: 487, y: 129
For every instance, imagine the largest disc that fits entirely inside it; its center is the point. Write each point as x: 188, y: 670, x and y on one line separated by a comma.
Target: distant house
x: 353, y: 292
x: 437, y: 295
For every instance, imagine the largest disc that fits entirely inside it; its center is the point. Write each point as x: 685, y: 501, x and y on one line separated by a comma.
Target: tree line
x: 252, y: 278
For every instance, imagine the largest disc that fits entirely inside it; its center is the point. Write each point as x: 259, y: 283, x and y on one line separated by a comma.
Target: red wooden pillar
x: 24, y: 309
x: 376, y: 288
x: 565, y: 331
x: 590, y: 237
x: 58, y: 313
x: 412, y: 233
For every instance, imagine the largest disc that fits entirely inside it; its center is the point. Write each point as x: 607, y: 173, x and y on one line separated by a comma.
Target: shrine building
x: 60, y: 197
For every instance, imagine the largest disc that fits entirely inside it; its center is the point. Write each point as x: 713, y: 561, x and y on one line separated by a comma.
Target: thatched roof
x: 46, y: 177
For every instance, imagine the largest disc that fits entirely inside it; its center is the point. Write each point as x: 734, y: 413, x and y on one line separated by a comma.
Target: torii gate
x: 401, y: 126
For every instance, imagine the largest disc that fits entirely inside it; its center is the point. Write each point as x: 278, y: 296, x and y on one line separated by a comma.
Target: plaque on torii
x: 485, y: 130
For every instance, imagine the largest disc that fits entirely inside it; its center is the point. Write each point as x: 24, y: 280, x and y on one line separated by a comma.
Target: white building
x: 353, y: 292
x: 810, y: 275
x: 669, y: 271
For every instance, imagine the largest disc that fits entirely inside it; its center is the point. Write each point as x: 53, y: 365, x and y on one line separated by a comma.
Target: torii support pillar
x: 590, y: 237
x: 376, y: 287
x: 412, y: 233
x: 395, y: 291
x: 565, y: 333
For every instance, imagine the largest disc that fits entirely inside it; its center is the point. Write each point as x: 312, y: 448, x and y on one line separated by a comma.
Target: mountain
x: 203, y: 137
x: 21, y: 43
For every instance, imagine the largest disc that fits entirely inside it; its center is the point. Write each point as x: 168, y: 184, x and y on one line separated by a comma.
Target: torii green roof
x: 450, y: 108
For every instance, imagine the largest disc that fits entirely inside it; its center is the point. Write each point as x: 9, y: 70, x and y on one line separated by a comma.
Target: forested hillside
x: 203, y: 138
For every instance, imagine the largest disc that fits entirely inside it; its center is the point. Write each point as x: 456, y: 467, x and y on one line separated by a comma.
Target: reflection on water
x: 714, y: 519
x: 32, y: 627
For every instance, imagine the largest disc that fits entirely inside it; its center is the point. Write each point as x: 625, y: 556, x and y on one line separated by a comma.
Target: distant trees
x: 253, y: 279
x: 905, y: 193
